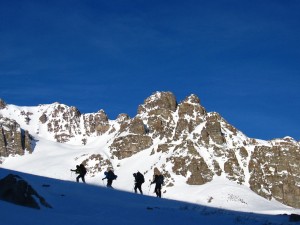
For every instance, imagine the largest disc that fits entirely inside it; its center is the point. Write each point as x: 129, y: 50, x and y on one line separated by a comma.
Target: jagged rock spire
x: 192, y: 143
x: 159, y: 100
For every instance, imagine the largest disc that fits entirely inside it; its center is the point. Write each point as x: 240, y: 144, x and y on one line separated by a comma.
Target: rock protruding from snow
x: 126, y: 146
x: 122, y: 117
x: 96, y: 123
x: 275, y: 171
x: 159, y: 102
x: 190, y: 115
x: 189, y: 143
x: 16, y: 190
x: 13, y: 140
x: 66, y: 122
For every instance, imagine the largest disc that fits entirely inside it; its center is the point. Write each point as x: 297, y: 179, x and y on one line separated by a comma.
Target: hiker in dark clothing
x: 81, y: 170
x: 110, y: 176
x: 139, y: 180
x: 158, y: 183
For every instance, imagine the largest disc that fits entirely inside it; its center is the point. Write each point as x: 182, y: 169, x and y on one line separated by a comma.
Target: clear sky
x: 241, y: 58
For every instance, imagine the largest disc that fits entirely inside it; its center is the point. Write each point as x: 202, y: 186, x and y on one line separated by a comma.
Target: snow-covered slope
x: 77, y: 203
x: 205, y: 160
x: 54, y: 160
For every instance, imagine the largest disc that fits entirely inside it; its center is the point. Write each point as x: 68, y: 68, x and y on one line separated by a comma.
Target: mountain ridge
x: 192, y: 143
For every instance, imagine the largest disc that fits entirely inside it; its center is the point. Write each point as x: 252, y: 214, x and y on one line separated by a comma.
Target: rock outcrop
x: 191, y: 143
x: 13, y: 139
x: 15, y: 190
x: 275, y: 171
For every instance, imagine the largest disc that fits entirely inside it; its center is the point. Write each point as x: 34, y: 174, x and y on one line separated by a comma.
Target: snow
x: 218, y: 202
x: 78, y: 203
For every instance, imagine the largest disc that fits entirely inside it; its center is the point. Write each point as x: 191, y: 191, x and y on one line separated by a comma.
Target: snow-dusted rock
x: 188, y: 142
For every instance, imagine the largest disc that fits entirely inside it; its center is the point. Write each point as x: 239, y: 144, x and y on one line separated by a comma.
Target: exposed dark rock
x: 62, y: 138
x: 190, y: 142
x: 64, y: 122
x: 135, y: 126
x: 160, y: 123
x: 123, y: 147
x: 163, y: 147
x: 200, y: 173
x: 96, y: 123
x: 13, y: 140
x: 212, y: 130
x: 122, y: 117
x: 43, y: 118
x: 192, y: 162
x: 159, y: 100
x: 217, y: 169
x: 233, y: 169
x: 191, y: 107
x: 275, y: 173
x: 15, y: 190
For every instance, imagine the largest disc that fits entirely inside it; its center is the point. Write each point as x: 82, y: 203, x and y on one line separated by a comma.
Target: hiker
x: 139, y: 180
x: 110, y: 176
x: 158, y: 181
x: 81, y: 170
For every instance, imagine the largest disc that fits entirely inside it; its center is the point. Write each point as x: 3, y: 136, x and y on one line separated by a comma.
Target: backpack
x: 140, y: 178
x: 110, y: 175
x: 160, y: 179
x: 82, y: 169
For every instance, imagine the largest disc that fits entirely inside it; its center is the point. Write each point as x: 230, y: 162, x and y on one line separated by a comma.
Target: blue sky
x: 241, y: 58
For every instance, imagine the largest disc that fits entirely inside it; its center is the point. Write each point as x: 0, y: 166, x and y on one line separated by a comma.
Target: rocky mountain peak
x: 289, y: 139
x: 122, y: 117
x: 159, y: 101
x: 192, y: 99
x: 192, y: 143
x: 190, y: 106
x: 102, y: 115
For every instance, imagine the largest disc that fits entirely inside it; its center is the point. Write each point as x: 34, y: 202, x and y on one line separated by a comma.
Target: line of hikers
x: 110, y: 176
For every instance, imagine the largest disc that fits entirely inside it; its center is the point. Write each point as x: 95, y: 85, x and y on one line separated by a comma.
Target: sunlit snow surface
x: 77, y: 203
x: 218, y: 202
x: 93, y: 203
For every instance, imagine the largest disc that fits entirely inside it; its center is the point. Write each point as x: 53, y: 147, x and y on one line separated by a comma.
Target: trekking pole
x: 149, y: 189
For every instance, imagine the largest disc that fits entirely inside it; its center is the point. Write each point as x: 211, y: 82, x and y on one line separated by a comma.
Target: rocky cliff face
x: 190, y: 141
x: 64, y: 122
x: 13, y: 139
x: 275, y: 171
